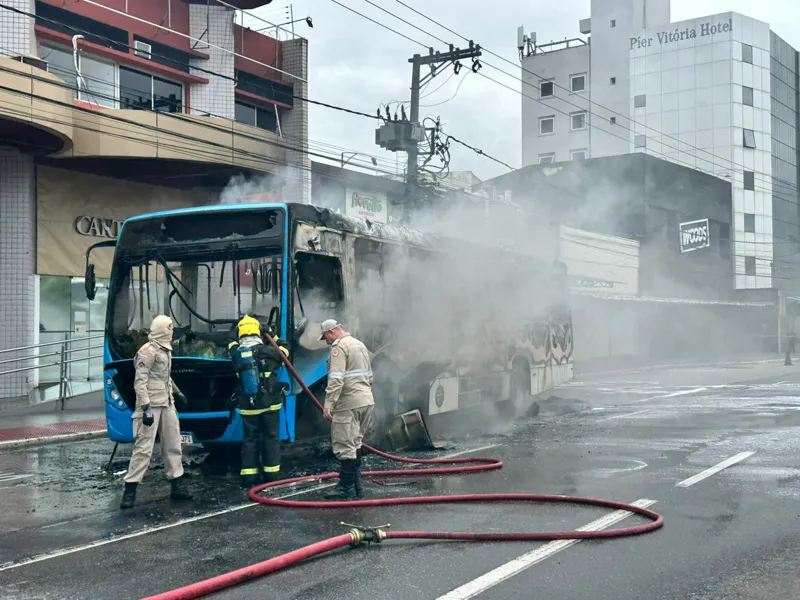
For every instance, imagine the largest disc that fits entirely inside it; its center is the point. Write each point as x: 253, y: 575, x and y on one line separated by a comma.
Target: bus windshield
x: 204, y: 281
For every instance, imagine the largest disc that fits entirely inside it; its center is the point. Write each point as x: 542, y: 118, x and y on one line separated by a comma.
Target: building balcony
x: 35, y: 112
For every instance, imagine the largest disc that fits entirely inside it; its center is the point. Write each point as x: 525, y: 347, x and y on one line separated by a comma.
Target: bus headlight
x: 115, y: 394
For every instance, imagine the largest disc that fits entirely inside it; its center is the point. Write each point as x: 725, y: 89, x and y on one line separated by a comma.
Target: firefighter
x: 348, y: 405
x: 155, y: 413
x: 259, y: 397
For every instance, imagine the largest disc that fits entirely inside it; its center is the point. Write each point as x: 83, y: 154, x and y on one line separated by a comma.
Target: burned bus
x: 451, y: 325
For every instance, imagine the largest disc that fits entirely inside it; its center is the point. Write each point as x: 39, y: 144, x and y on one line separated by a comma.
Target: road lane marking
x: 6, y: 477
x: 715, y: 469
x: 96, y: 544
x: 519, y: 564
x: 638, y: 412
x: 675, y: 394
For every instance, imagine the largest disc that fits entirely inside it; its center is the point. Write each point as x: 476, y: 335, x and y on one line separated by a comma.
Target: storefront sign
x: 98, y: 227
x: 677, y: 35
x: 371, y: 206
x: 694, y: 235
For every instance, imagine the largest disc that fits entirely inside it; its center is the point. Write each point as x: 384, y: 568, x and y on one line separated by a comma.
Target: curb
x: 53, y: 439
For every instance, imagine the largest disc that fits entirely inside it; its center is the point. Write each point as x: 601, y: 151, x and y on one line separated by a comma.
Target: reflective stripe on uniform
x: 275, y: 407
x: 275, y: 469
x: 232, y: 344
x: 358, y: 373
x: 284, y: 350
x: 265, y: 374
x: 250, y: 412
x: 349, y: 374
x: 248, y: 472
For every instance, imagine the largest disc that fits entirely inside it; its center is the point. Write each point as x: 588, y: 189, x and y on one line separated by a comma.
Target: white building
x: 717, y: 93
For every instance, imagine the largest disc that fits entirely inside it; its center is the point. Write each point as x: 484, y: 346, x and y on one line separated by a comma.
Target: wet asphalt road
x: 624, y: 436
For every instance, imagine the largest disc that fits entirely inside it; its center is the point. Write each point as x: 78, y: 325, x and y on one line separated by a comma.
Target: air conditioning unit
x: 33, y: 61
x: 142, y: 49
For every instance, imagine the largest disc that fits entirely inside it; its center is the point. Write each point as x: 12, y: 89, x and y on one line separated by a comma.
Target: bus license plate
x: 186, y: 438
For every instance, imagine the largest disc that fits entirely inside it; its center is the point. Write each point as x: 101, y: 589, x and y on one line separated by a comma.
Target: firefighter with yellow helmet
x: 259, y: 398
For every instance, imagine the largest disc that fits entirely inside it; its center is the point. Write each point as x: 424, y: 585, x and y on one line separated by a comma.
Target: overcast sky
x: 358, y: 64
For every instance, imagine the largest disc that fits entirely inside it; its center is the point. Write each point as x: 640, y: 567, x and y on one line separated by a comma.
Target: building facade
x: 718, y: 94
x: 108, y: 112
x: 648, y: 253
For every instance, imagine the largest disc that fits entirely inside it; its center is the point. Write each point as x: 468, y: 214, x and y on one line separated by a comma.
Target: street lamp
x: 344, y: 162
x: 308, y: 21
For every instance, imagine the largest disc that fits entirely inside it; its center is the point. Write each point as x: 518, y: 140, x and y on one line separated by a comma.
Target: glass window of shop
x: 66, y: 314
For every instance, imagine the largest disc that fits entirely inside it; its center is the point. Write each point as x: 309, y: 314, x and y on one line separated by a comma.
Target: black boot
x: 179, y: 489
x: 345, y: 490
x: 128, y: 496
x: 357, y: 482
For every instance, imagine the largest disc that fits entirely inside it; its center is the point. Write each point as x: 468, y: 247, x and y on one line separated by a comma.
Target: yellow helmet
x: 249, y: 326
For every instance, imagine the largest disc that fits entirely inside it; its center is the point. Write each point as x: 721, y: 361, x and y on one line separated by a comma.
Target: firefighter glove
x: 147, y: 416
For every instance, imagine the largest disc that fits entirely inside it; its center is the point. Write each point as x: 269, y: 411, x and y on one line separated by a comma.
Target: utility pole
x: 406, y: 134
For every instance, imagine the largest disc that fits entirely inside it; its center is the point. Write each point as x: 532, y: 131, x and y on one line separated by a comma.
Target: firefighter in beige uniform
x: 348, y: 405
x: 155, y: 413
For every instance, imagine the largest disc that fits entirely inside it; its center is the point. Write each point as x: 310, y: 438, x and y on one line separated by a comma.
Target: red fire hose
x: 359, y: 535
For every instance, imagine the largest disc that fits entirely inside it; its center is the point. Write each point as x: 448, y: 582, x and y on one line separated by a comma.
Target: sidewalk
x: 83, y: 417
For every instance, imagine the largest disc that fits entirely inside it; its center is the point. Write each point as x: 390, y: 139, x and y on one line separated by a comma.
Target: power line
x: 463, y: 79
x: 589, y: 124
x: 793, y: 186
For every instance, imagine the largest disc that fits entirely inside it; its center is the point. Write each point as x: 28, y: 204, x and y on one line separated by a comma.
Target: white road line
x: 98, y: 543
x: 638, y: 412
x: 4, y: 477
x: 472, y: 450
x: 675, y: 394
x: 224, y: 511
x: 715, y: 469
x: 519, y: 564
x: 53, y: 439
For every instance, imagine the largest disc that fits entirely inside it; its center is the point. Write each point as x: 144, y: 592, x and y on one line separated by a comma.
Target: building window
x: 749, y: 223
x: 747, y: 53
x: 256, y: 116
x: 547, y: 125
x: 546, y: 89
x: 749, y: 138
x: 613, y: 22
x: 749, y: 180
x: 578, y: 83
x: 99, y: 83
x: 747, y: 95
x: 640, y: 101
x: 578, y: 154
x: 749, y: 265
x: 545, y: 159
x: 639, y: 141
x: 142, y: 91
x: 613, y: 81
x: 578, y: 121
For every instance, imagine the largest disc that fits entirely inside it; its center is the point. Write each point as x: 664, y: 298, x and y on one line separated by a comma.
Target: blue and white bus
x: 400, y: 291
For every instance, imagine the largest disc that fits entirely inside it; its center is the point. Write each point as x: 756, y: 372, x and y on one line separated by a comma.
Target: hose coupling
x: 360, y: 533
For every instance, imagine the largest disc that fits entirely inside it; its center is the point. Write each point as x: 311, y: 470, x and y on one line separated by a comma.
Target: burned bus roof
x: 325, y: 217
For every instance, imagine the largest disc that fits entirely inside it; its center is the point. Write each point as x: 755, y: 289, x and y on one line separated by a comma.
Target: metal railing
x: 62, y: 358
